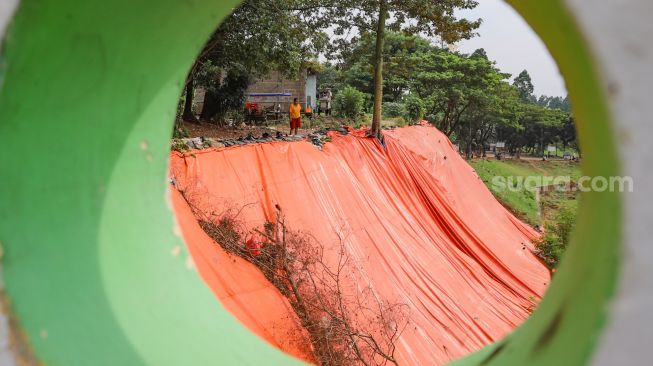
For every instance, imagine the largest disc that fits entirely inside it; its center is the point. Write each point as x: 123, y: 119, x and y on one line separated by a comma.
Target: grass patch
x: 523, y: 202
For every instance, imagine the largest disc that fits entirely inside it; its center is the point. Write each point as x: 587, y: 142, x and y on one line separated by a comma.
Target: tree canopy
x: 371, y: 19
x: 381, y: 51
x: 524, y: 85
x: 465, y: 96
x: 258, y: 37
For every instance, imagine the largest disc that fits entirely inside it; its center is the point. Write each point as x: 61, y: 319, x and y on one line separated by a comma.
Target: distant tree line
x: 264, y: 34
x: 465, y: 96
x: 384, y: 71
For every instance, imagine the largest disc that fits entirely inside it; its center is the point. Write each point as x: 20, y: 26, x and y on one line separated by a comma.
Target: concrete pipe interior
x: 86, y: 228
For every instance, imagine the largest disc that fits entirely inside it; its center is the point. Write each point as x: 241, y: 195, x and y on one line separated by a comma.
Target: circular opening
x: 101, y: 253
x: 494, y: 354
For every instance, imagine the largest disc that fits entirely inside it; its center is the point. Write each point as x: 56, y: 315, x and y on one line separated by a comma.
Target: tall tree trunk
x: 378, y: 71
x: 469, y: 142
x: 542, y: 140
x: 188, y: 103
x: 211, y: 106
x: 446, y: 120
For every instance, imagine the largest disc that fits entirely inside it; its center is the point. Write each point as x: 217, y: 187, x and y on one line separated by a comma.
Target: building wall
x: 311, y: 91
x: 276, y: 83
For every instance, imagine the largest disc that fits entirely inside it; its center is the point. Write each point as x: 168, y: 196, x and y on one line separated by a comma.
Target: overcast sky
x: 511, y: 42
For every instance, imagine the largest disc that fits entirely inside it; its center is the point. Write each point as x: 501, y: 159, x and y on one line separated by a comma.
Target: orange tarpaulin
x: 242, y: 288
x: 419, y: 224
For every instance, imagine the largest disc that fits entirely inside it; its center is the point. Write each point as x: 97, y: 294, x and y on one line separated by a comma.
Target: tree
x: 479, y: 53
x: 401, y: 60
x: 453, y: 85
x: 329, y: 78
x: 525, y: 86
x: 349, y: 103
x: 536, y: 126
x: 259, y: 36
x: 466, y: 97
x: 555, y: 103
x: 224, y: 94
x: 414, y: 108
x: 499, y: 108
x: 372, y: 17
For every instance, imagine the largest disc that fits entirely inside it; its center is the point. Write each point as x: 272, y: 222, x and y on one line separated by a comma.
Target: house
x: 276, y: 90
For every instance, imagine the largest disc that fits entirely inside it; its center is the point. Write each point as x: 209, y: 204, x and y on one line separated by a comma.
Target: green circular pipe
x: 86, y: 108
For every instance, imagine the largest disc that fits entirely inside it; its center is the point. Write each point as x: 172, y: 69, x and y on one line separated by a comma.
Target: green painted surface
x: 86, y: 110
x: 565, y: 328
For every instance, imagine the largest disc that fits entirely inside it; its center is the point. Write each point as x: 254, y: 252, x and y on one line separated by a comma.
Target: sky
x: 511, y: 42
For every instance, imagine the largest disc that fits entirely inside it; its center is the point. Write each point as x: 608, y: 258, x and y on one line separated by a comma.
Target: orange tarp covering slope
x: 420, y: 226
x: 242, y: 288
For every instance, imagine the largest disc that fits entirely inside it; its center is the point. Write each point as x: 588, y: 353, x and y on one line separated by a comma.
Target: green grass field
x: 523, y: 202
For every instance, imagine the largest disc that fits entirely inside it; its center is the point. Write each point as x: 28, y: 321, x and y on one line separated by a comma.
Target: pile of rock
x: 317, y: 138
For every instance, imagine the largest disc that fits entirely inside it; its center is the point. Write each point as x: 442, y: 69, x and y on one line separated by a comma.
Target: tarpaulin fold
x: 421, y: 228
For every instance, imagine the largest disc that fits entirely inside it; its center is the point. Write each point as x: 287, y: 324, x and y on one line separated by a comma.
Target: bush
x: 364, y: 120
x: 349, y: 103
x: 295, y: 263
x: 432, y: 118
x: 564, y: 224
x: 550, y: 248
x: 414, y: 108
x: 393, y: 110
x: 553, y: 244
x: 400, y: 121
x: 180, y: 131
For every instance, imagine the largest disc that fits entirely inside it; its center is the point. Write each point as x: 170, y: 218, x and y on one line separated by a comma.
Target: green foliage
x: 458, y: 89
x: 223, y: 94
x: 178, y: 145
x: 550, y: 248
x: 324, y: 122
x: 524, y: 85
x: 555, y: 103
x: 329, y: 78
x: 258, y: 37
x: 564, y: 223
x: 180, y: 132
x: 393, y: 109
x: 522, y: 202
x: 466, y: 97
x: 414, y: 108
x: 264, y: 35
x: 364, y: 120
x: 395, y: 121
x: 555, y: 241
x: 372, y: 17
x: 433, y: 19
x: 349, y: 103
x: 535, y: 126
x: 480, y: 53
x: 399, y: 63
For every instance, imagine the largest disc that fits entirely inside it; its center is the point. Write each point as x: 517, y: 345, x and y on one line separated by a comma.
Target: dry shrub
x: 347, y: 326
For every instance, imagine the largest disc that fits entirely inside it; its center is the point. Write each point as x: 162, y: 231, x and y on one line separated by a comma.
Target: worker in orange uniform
x: 295, y: 116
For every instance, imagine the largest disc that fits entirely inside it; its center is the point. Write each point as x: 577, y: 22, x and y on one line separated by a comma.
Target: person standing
x: 295, y: 116
x: 327, y: 102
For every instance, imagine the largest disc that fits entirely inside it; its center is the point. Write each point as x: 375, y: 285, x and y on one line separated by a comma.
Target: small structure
x: 500, y: 150
x: 275, y: 93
